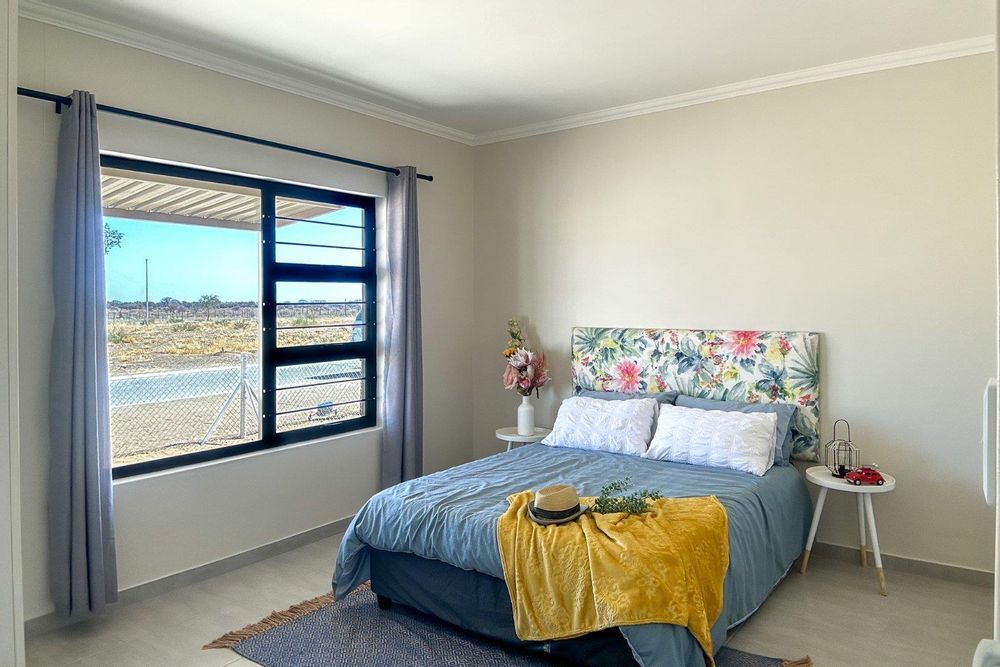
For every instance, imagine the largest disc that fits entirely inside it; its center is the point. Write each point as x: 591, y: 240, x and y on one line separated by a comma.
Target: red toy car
x: 864, y: 475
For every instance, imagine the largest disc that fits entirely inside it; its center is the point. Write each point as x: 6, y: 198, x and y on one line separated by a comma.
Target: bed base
x: 481, y: 604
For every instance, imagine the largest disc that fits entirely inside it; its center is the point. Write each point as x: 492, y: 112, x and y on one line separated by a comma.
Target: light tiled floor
x: 833, y: 614
x: 170, y: 629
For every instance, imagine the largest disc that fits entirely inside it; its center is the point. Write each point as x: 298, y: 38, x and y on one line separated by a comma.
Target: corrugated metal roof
x: 167, y: 199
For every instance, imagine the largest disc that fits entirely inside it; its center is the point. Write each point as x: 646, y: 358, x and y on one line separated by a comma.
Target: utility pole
x: 147, y: 292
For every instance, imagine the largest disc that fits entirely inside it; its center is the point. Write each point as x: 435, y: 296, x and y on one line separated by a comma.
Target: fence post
x: 243, y: 394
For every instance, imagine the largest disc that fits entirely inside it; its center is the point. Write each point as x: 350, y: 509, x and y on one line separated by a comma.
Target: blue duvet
x: 451, y: 516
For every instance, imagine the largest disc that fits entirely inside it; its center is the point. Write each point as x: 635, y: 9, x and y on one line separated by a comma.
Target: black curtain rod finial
x: 60, y: 100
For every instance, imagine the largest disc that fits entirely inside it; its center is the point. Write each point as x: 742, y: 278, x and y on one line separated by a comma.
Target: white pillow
x: 737, y: 440
x: 623, y: 427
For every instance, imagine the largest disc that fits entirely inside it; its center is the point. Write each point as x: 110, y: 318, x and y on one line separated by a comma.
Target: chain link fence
x: 155, y: 415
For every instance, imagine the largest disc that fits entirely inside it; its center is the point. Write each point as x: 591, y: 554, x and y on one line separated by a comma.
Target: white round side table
x: 824, y: 479
x: 510, y: 436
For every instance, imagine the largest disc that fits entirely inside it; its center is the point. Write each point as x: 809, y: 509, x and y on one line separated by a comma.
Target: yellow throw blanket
x: 606, y: 570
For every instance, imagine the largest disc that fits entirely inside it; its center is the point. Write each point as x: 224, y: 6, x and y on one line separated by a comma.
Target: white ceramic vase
x: 526, y: 417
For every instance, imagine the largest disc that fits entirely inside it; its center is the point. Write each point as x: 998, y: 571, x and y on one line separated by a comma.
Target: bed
x: 430, y: 543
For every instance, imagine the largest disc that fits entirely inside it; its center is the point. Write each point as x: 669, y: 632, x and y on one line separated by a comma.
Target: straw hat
x: 558, y: 503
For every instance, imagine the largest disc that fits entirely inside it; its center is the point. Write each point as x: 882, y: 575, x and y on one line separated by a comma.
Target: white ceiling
x: 483, y: 67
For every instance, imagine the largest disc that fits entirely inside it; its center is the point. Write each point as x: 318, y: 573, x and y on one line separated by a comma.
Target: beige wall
x: 178, y: 520
x: 862, y: 208
x: 11, y: 599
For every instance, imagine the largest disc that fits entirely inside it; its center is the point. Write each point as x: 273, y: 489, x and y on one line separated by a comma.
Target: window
x: 241, y: 313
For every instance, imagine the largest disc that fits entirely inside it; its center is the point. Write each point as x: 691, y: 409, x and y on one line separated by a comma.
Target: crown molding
x: 303, y: 83
x: 322, y: 87
x: 925, y: 54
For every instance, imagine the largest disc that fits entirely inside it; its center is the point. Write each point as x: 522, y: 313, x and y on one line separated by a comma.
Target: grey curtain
x: 402, y: 437
x: 83, y: 574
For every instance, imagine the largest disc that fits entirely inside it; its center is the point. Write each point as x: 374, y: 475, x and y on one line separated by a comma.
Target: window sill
x: 243, y: 457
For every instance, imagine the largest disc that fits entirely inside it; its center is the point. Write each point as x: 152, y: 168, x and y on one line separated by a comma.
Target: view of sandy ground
x: 135, y: 348
x: 171, y: 378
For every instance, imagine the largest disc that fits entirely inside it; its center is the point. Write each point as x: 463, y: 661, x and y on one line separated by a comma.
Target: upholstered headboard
x: 751, y: 366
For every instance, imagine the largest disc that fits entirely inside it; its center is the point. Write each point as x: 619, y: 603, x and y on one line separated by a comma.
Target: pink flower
x: 742, y: 344
x: 521, y: 358
x: 526, y: 371
x: 625, y: 376
x: 510, y: 377
x: 541, y: 370
x: 784, y: 345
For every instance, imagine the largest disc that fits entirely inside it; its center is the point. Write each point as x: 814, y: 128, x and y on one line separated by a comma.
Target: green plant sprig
x: 632, y: 503
x: 514, y: 331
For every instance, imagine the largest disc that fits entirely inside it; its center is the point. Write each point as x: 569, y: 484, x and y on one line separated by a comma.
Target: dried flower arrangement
x: 526, y: 371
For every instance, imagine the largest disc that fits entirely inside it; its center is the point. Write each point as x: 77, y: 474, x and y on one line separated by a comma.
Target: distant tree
x: 112, y: 238
x: 209, y: 302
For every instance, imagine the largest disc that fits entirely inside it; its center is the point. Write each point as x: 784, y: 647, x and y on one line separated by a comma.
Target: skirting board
x: 49, y: 622
x: 954, y: 573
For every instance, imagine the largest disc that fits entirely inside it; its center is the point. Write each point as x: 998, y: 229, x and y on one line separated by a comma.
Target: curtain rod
x: 60, y: 100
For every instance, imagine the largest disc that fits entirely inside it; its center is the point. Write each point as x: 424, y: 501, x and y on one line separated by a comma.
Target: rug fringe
x: 801, y: 662
x: 274, y: 620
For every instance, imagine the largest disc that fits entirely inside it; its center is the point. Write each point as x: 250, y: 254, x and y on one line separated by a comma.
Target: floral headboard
x: 751, y: 366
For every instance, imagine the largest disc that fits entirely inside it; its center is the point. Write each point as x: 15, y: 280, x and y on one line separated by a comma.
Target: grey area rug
x: 354, y: 632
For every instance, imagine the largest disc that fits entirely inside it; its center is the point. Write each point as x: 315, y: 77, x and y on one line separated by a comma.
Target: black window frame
x: 272, y: 272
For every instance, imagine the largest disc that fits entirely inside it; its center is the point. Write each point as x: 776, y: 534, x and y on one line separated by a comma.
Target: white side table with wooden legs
x: 824, y: 479
x: 511, y: 436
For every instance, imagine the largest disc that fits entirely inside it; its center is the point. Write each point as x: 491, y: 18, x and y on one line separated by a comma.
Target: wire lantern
x: 841, y: 455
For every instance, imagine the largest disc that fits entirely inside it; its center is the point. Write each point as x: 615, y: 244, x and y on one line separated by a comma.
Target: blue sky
x: 187, y: 261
